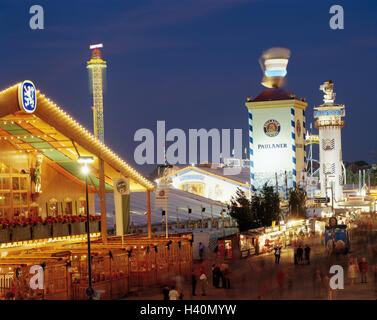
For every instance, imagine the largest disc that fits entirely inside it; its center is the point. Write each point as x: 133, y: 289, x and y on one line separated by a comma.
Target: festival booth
x: 215, y: 241
x: 247, y: 247
x: 118, y: 268
x: 42, y: 186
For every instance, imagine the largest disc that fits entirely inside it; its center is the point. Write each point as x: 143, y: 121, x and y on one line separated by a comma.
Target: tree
x: 265, y: 205
x: 260, y: 211
x: 297, y: 199
x: 240, y: 209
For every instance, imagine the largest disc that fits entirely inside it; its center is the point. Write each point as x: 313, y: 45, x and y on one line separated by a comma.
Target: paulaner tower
x: 276, y: 128
x: 329, y: 123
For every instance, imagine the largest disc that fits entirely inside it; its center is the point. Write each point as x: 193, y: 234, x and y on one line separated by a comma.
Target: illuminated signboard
x: 329, y: 112
x: 27, y: 96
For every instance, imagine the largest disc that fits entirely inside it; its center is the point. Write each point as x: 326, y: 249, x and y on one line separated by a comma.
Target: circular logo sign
x: 298, y: 128
x: 121, y: 187
x: 271, y: 128
x: 27, y: 96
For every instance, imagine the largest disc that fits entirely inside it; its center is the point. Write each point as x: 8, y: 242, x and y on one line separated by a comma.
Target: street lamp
x: 85, y: 161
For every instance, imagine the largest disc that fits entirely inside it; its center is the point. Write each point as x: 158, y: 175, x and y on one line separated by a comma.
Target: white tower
x: 276, y: 128
x: 329, y: 123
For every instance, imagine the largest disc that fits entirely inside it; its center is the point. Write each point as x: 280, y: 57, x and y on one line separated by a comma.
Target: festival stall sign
x: 122, y: 205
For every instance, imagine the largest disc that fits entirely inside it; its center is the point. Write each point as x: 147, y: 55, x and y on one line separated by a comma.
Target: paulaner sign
x: 272, y: 146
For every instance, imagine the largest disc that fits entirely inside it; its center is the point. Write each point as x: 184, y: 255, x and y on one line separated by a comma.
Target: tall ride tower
x: 329, y: 124
x: 97, y: 67
x: 276, y: 128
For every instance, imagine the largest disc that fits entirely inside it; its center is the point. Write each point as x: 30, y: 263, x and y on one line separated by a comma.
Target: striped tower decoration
x: 304, y: 133
x: 293, y: 126
x: 251, y: 151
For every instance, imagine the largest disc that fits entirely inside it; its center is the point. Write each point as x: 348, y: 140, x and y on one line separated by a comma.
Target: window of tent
x: 68, y: 206
x: 14, y: 188
x: 82, y: 206
x: 53, y: 207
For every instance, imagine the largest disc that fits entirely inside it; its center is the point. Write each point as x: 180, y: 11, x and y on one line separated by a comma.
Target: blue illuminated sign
x: 27, y: 96
x: 328, y: 113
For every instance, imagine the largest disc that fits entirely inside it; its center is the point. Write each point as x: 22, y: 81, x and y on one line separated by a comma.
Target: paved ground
x: 256, y: 276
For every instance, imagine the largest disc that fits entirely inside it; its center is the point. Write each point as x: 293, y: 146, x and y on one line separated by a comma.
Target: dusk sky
x: 193, y: 63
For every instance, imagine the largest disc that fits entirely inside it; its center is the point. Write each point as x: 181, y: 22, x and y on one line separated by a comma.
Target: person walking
x: 193, y: 282
x: 363, y: 267
x: 295, y: 254
x: 317, y: 283
x: 300, y: 252
x: 277, y: 253
x: 307, y: 254
x: 203, y: 281
x: 352, y: 271
x: 326, y: 285
x: 173, y: 294
x: 201, y: 250
x: 227, y: 273
x: 215, y: 275
x: 222, y: 269
x: 165, y: 292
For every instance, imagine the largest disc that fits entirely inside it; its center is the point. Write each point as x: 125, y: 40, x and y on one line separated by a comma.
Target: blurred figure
x: 178, y: 283
x: 277, y: 253
x: 295, y: 254
x: 173, y: 294
x: 289, y: 276
x: 299, y: 253
x: 227, y: 273
x: 363, y: 267
x: 326, y: 285
x: 193, y: 283
x: 165, y: 292
x: 203, y: 280
x: 223, y: 267
x: 280, y: 282
x: 307, y: 254
x: 374, y: 255
x: 263, y: 290
x: 352, y: 271
x: 201, y: 250
x: 215, y: 275
x: 317, y: 283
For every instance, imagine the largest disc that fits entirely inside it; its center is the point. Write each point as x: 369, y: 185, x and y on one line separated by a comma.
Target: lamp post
x: 84, y: 161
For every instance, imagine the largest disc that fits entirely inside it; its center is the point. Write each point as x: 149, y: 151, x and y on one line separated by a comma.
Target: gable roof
x: 214, y: 173
x: 51, y: 131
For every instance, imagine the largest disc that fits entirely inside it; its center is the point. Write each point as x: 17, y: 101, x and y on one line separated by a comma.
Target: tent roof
x: 177, y: 206
x: 52, y: 132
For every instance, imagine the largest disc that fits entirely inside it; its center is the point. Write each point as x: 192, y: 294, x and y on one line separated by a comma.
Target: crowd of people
x: 360, y: 273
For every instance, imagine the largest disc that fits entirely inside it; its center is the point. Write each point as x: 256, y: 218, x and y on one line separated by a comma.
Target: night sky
x: 193, y: 63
